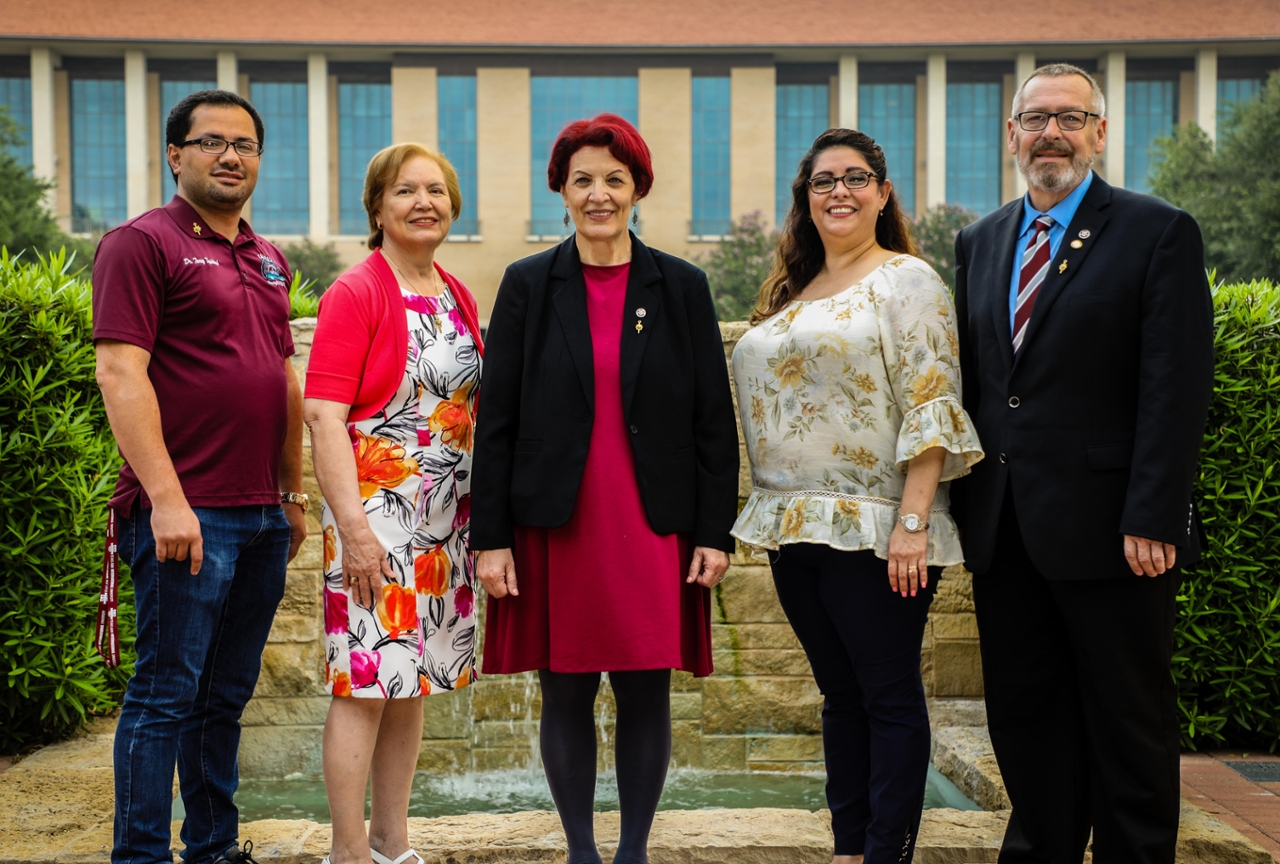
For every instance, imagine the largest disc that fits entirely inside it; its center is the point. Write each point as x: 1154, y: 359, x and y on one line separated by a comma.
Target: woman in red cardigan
x: 390, y: 400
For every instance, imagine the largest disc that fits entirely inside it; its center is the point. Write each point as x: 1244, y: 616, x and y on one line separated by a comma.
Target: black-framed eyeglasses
x: 853, y: 180
x: 1068, y: 121
x: 217, y: 146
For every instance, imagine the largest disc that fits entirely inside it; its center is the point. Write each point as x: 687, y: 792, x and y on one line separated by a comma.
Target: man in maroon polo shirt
x: 191, y: 329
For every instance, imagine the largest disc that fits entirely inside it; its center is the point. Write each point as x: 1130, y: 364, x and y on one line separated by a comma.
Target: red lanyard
x: 107, y: 641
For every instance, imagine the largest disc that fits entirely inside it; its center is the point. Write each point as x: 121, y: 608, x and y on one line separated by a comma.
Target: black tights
x: 642, y: 751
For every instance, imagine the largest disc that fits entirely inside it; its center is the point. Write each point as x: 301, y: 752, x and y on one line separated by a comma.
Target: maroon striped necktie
x: 1035, y: 264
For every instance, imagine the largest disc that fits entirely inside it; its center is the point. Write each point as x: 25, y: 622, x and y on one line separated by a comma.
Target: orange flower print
x: 453, y: 421
x: 381, y: 463
x: 330, y: 546
x: 424, y: 686
x: 431, y: 571
x: 398, y: 610
x: 464, y: 678
x: 342, y: 684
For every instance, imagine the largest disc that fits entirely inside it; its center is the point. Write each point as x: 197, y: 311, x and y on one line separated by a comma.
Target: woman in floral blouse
x: 849, y: 393
x: 391, y: 394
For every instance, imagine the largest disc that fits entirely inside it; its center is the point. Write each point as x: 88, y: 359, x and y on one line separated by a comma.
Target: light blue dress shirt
x: 1061, y: 213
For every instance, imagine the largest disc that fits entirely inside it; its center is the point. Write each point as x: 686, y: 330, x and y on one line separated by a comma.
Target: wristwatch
x: 912, y: 522
x: 299, y: 498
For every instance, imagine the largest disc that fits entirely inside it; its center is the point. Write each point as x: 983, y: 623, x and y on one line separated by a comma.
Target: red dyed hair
x: 603, y: 130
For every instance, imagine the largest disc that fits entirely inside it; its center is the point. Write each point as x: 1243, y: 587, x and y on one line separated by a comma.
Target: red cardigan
x: 361, y: 342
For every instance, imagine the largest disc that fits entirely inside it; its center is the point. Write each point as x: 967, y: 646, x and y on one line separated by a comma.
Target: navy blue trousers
x: 863, y: 643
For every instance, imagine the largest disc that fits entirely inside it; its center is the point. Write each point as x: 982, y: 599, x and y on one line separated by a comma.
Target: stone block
x: 955, y: 591
x: 278, y: 751
x: 686, y: 744
x: 447, y: 715
x: 444, y: 756
x: 296, y: 628
x: 949, y: 836
x: 784, y: 748
x: 684, y: 682
x: 506, y: 734
x: 1203, y: 839
x: 311, y: 554
x: 762, y: 661
x: 724, y: 752
x: 301, y: 594
x: 507, y: 697
x: 746, y: 596
x: 957, y: 668
x: 746, y: 637
x: 787, y: 767
x: 286, y: 711
x: 686, y: 706
x: 291, y: 669
x: 954, y: 625
x: 964, y: 756
x: 736, y: 706
x: 500, y: 759
x: 926, y: 671
x: 78, y: 752
x: 957, y: 712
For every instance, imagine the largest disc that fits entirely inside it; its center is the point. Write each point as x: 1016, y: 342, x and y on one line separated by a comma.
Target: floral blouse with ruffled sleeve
x: 837, y: 396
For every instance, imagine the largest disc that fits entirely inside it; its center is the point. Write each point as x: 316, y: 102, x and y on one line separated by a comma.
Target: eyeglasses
x: 853, y: 180
x: 216, y: 146
x: 1068, y: 121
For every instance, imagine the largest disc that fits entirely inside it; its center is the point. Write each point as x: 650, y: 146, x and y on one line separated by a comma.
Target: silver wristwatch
x: 912, y: 522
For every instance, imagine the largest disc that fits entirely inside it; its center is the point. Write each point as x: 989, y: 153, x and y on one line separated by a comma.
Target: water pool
x: 510, y: 791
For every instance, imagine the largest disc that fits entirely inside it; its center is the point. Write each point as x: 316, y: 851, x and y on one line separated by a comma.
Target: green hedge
x: 60, y: 465
x: 1227, y: 655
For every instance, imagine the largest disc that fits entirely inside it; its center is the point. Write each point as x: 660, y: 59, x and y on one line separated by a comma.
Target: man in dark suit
x: 1085, y: 325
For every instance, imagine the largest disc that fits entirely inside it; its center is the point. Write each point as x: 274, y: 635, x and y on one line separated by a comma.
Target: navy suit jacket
x: 1095, y: 426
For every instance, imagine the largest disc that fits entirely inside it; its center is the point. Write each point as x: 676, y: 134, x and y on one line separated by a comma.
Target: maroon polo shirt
x: 215, y: 317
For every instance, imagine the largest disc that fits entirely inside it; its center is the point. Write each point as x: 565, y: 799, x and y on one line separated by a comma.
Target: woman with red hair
x: 605, y: 481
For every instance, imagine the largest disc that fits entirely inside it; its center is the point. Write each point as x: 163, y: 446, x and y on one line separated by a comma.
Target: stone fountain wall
x: 760, y: 710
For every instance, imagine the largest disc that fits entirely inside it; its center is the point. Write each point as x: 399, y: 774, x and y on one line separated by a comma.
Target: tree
x: 1233, y: 190
x: 935, y: 232
x: 738, y: 265
x: 318, y: 265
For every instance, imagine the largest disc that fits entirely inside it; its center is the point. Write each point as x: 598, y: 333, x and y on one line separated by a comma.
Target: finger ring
x: 911, y: 570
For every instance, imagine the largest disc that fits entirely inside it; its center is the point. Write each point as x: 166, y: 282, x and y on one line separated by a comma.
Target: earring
x: 635, y: 217
x: 379, y: 224
x: 566, y: 217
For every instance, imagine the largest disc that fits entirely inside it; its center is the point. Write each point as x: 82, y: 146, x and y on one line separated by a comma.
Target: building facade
x: 727, y: 95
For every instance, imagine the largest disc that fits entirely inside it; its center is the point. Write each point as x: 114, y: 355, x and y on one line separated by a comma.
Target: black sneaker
x: 236, y: 855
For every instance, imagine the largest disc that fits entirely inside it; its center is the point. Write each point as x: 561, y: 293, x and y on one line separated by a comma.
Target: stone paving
x: 1217, y: 782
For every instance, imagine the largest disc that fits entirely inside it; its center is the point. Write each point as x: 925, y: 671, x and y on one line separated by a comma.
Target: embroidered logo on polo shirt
x: 213, y: 261
x: 271, y: 271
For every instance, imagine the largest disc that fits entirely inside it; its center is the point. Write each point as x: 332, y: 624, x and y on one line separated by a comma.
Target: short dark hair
x: 603, y: 130
x: 178, y: 126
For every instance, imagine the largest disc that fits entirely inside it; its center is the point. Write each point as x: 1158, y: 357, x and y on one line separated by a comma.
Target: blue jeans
x: 200, y: 641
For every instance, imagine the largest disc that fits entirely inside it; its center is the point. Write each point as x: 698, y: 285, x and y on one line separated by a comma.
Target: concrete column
x: 666, y: 122
x: 1207, y: 92
x: 44, y: 151
x: 135, y: 131
x: 1114, y: 91
x: 504, y: 177
x: 848, y: 117
x: 935, y: 181
x: 1024, y: 65
x: 229, y: 72
x: 753, y: 120
x: 318, y: 145
x: 414, y: 105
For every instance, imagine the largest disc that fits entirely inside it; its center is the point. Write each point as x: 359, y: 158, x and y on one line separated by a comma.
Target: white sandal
x: 379, y: 858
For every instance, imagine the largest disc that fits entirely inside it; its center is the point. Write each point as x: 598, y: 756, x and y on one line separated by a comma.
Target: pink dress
x: 602, y: 592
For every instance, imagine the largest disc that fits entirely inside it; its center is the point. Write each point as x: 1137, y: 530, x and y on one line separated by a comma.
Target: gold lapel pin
x: 195, y: 226
x: 1062, y: 268
x: 640, y: 313
x: 639, y: 326
x: 1076, y: 244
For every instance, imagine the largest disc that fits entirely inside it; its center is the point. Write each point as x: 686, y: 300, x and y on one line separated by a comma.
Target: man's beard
x: 217, y: 195
x: 1050, y: 177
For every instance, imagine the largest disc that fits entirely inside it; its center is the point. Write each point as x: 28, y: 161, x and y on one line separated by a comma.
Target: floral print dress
x: 836, y: 396
x: 413, y: 461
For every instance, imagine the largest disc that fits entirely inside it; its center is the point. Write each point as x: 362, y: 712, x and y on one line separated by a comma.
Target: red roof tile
x: 586, y: 24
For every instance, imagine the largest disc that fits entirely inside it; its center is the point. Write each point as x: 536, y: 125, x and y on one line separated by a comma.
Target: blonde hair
x: 385, y: 166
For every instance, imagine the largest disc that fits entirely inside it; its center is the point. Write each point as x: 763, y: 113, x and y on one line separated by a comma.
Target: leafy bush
x: 736, y: 268
x: 303, y: 303
x: 935, y: 232
x: 1227, y: 655
x: 1232, y: 190
x: 60, y: 465
x: 319, y: 265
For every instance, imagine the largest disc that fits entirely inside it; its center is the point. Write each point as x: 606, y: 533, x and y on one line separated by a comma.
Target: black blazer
x: 1096, y: 426
x: 538, y: 386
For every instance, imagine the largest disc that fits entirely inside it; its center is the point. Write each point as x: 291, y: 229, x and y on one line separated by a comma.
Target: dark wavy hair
x: 800, y: 254
x: 602, y: 130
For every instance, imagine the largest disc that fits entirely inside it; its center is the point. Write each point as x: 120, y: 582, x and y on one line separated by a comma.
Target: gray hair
x: 1061, y: 70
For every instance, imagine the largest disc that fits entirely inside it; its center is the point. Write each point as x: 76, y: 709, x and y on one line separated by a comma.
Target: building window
x: 803, y: 113
x: 171, y: 93
x: 99, y: 195
x: 1233, y: 92
x: 710, y: 157
x: 15, y: 95
x: 887, y: 112
x: 975, y: 133
x: 364, y: 128
x: 457, y: 106
x: 557, y: 101
x: 1150, y: 111
x: 282, y: 201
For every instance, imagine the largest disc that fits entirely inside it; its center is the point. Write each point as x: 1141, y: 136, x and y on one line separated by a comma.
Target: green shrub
x: 60, y: 465
x: 1227, y: 655
x: 318, y: 264
x: 935, y: 234
x: 303, y: 303
x: 737, y: 266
